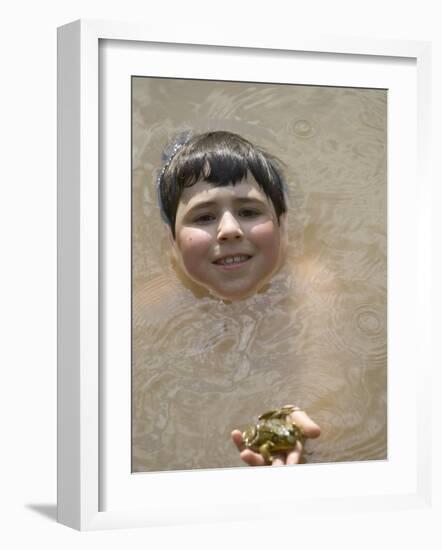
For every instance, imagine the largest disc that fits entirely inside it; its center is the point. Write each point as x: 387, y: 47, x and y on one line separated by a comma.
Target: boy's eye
x: 204, y: 218
x: 248, y: 213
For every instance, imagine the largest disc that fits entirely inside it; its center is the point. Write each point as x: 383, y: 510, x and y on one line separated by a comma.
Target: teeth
x: 232, y: 260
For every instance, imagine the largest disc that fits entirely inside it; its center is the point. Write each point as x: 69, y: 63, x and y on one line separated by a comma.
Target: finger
x: 251, y: 458
x: 294, y: 456
x: 278, y: 460
x: 238, y: 440
x: 310, y: 428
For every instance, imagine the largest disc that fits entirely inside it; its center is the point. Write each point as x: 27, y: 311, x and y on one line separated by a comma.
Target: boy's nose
x: 229, y: 228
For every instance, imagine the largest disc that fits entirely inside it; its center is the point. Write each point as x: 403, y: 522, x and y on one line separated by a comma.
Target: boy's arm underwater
x: 311, y: 430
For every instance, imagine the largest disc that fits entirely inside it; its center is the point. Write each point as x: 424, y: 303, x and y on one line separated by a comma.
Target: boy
x: 224, y: 204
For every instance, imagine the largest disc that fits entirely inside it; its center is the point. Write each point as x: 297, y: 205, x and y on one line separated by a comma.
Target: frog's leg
x: 277, y: 413
x: 284, y: 411
x: 301, y: 437
x: 265, y: 451
x: 268, y: 414
x: 299, y: 432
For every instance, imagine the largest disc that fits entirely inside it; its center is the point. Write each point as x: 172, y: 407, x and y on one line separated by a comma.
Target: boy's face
x: 228, y: 239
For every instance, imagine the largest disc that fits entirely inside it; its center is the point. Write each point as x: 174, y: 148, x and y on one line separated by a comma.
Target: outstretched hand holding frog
x: 277, y: 438
x: 223, y: 201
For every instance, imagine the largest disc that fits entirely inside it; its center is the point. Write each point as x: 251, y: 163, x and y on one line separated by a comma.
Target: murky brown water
x: 317, y: 336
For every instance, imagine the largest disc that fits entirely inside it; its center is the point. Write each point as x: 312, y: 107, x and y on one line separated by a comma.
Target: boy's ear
x: 169, y: 233
x: 283, y: 222
x: 172, y: 241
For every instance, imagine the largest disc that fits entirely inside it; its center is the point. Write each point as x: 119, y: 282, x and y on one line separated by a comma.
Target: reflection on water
x: 317, y: 335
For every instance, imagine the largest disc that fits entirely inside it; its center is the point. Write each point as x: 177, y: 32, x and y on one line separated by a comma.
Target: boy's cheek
x: 265, y: 234
x: 193, y: 245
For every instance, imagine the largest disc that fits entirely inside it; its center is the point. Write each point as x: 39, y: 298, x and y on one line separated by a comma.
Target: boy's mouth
x: 233, y: 259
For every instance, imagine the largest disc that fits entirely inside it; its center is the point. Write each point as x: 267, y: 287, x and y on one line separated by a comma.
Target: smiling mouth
x: 233, y: 260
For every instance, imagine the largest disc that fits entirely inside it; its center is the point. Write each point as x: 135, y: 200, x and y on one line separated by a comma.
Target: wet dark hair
x: 220, y: 158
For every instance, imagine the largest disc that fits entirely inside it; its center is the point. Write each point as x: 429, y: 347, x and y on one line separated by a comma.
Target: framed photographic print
x: 191, y: 302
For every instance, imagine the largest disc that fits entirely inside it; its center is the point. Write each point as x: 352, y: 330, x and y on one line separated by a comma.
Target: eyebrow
x: 236, y: 200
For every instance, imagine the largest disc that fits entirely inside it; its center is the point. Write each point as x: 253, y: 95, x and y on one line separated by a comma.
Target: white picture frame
x: 81, y: 392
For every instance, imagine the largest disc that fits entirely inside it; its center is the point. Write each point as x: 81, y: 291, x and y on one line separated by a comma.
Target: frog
x: 274, y: 432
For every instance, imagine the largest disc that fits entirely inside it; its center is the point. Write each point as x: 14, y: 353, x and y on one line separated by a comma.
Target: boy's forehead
x: 204, y: 191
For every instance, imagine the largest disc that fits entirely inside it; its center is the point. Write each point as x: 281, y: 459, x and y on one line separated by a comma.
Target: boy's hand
x: 311, y: 430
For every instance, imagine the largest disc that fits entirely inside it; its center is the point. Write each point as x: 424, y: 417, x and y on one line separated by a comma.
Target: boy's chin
x: 230, y: 294
x: 238, y: 293
x: 202, y: 290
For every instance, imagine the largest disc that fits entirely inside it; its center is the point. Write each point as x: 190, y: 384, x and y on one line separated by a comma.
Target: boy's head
x: 224, y: 202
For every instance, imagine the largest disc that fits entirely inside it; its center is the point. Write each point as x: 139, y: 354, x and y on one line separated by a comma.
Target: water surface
x: 317, y: 335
